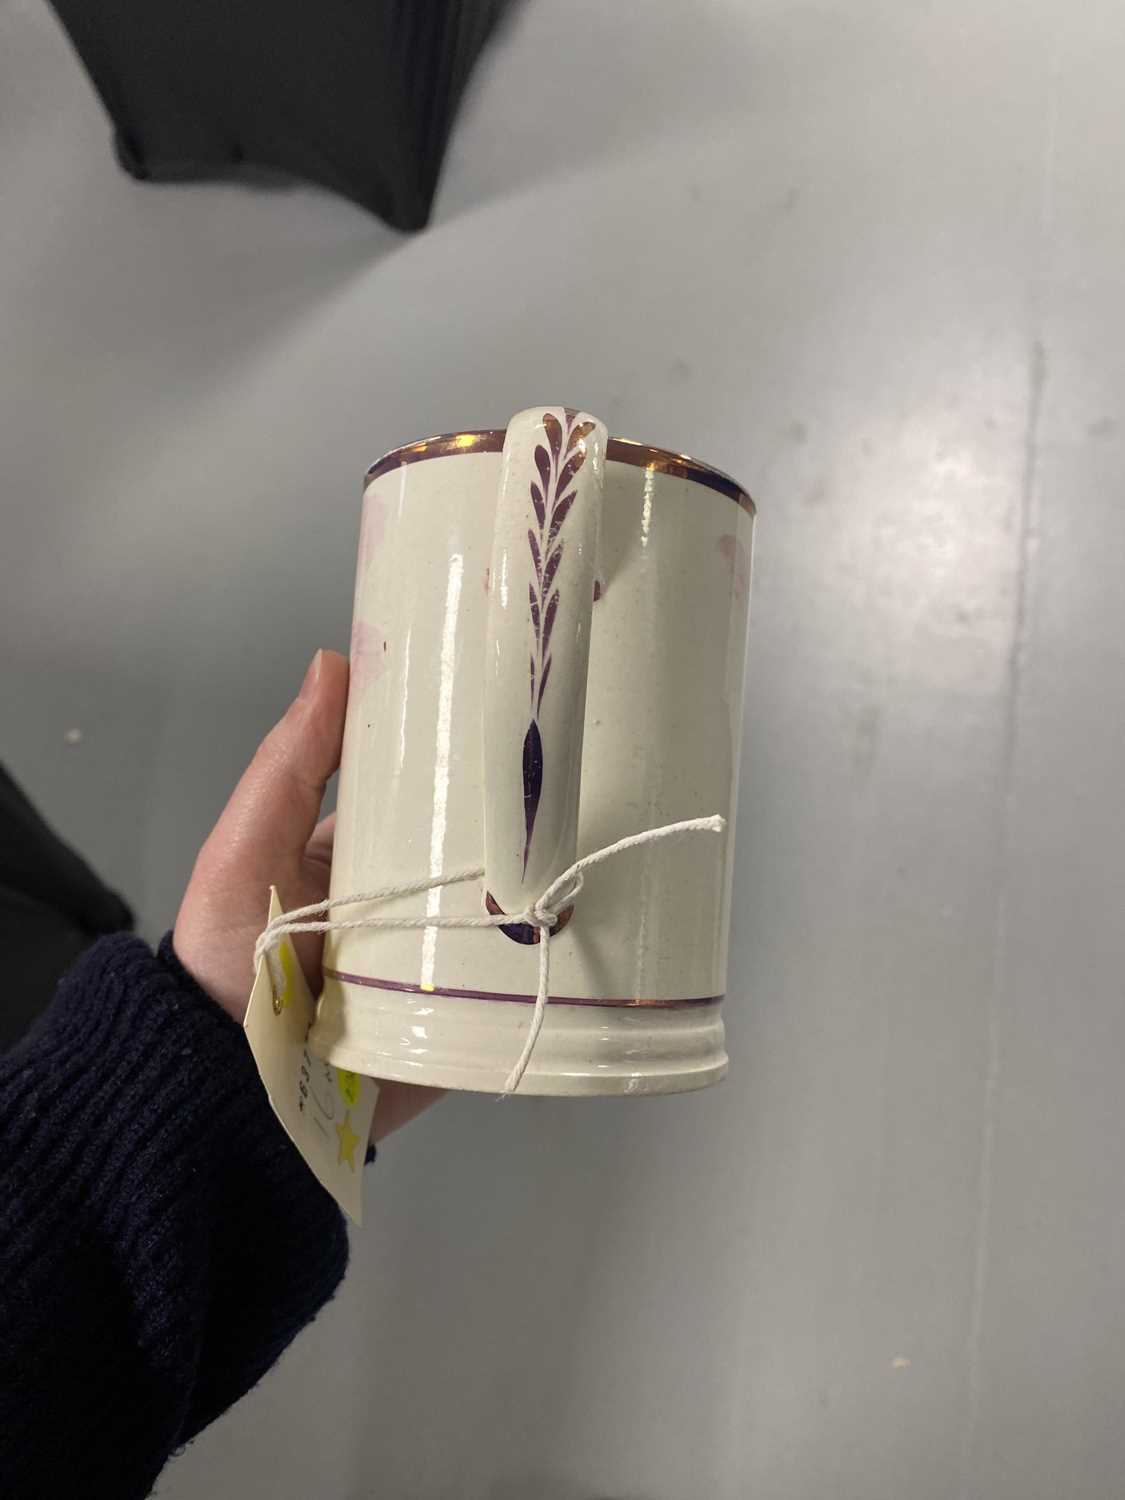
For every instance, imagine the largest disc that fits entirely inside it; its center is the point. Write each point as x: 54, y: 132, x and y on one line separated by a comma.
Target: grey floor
x: 870, y: 258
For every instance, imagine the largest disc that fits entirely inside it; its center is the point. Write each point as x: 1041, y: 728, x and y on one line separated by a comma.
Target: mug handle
x: 541, y: 595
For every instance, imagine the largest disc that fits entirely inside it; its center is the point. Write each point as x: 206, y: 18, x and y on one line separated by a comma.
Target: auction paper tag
x: 325, y: 1111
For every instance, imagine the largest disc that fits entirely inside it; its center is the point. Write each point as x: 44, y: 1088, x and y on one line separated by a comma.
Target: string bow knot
x: 544, y: 914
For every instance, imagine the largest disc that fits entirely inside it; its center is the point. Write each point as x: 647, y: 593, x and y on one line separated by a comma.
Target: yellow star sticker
x: 348, y: 1141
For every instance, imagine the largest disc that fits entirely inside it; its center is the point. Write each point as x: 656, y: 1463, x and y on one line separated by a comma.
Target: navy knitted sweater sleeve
x: 161, y: 1242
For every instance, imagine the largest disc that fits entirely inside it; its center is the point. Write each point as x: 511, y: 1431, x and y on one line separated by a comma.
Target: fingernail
x: 312, y: 677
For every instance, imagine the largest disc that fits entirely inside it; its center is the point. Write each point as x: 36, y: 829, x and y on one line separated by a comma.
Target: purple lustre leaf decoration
x: 553, y: 429
x: 583, y: 430
x: 552, y: 501
x: 543, y: 464
x: 532, y: 782
x: 549, y: 618
x: 568, y: 471
x: 562, y: 510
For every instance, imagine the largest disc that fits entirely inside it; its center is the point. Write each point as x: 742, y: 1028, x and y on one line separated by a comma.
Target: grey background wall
x: 869, y: 258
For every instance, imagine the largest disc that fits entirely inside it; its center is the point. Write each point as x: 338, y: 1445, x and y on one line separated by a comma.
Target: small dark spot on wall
x: 679, y: 372
x: 817, y: 492
x: 1104, y: 427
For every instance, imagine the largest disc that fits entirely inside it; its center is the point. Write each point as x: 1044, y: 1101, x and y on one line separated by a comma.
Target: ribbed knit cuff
x: 171, y: 960
x: 134, y: 1124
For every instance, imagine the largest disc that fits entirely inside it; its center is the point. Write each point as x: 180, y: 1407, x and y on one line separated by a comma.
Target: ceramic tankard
x: 547, y: 655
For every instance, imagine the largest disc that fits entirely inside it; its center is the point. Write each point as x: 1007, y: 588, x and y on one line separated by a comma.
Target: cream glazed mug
x: 548, y: 648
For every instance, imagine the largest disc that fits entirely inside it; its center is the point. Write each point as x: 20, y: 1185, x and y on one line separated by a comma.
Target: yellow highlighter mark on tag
x: 325, y: 1112
x: 348, y: 1142
x: 285, y: 956
x: 348, y: 1084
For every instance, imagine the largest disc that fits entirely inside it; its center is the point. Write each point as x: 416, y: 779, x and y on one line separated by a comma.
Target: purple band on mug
x: 457, y: 994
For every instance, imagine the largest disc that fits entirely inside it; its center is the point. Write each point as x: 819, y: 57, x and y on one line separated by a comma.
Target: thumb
x: 274, y: 809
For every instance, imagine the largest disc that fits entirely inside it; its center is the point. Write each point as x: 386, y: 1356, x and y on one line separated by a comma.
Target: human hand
x: 268, y: 834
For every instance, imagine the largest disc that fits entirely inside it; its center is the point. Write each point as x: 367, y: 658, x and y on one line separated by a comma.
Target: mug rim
x: 618, y: 450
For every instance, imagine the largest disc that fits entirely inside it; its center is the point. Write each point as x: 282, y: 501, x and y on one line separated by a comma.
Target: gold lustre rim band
x: 618, y: 450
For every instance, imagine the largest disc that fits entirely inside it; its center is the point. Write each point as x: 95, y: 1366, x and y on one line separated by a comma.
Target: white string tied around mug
x: 543, y: 914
